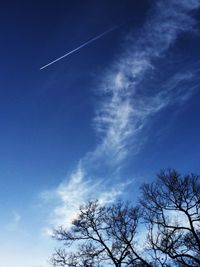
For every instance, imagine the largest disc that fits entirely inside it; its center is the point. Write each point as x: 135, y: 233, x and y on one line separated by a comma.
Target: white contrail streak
x: 81, y: 46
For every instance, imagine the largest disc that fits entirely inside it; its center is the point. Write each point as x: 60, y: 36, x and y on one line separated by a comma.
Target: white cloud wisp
x: 126, y: 107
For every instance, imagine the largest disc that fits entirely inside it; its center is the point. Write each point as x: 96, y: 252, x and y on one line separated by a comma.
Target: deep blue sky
x: 111, y: 114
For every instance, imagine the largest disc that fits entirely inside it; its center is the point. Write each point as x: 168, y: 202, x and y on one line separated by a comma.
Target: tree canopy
x: 168, y: 215
x: 172, y: 213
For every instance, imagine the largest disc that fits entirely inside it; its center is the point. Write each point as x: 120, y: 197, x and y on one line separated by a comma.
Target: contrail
x: 81, y: 46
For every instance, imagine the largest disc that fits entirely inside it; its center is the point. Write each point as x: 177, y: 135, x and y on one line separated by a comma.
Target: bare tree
x: 172, y: 213
x: 101, y: 236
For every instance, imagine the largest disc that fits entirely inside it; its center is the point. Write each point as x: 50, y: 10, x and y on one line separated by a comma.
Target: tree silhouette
x: 101, y: 236
x: 172, y: 213
x: 108, y: 235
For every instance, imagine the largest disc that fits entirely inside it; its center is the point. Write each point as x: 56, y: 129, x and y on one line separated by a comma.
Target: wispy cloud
x: 122, y: 113
x: 72, y: 194
x: 14, y: 221
x: 126, y: 106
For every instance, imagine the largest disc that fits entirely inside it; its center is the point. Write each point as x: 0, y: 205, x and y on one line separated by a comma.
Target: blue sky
x: 97, y: 123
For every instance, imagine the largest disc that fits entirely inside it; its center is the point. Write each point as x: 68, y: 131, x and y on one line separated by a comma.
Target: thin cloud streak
x: 81, y: 46
x: 126, y: 109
